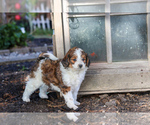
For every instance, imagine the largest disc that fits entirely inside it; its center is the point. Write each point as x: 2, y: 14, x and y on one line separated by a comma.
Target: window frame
x: 107, y: 15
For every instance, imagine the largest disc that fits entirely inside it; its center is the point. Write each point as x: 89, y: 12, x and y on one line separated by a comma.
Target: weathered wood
x: 148, y: 28
x: 117, y: 79
x: 119, y: 65
x: 58, y: 29
x: 66, y: 26
x: 108, y: 32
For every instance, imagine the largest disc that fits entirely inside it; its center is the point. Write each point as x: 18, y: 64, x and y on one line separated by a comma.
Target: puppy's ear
x: 87, y: 61
x: 65, y: 61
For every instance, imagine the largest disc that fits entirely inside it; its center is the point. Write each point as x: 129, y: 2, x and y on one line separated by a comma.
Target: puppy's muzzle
x: 80, y: 66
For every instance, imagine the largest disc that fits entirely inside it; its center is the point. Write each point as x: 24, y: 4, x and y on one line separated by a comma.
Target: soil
x: 12, y: 86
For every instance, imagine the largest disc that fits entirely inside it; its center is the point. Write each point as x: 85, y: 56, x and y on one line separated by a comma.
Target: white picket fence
x: 37, y: 23
x: 41, y: 22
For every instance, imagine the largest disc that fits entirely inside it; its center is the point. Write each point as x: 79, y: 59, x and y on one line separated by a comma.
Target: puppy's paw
x: 25, y: 99
x: 77, y: 103
x: 72, y: 106
x: 75, y: 107
x: 43, y: 96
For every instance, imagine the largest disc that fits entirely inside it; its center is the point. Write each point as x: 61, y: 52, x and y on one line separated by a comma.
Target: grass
x: 40, y: 32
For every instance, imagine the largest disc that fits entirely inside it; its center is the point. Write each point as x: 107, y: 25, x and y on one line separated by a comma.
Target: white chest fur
x: 73, y: 77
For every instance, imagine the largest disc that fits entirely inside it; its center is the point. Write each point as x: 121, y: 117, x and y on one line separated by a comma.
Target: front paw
x: 43, y: 96
x: 77, y: 103
x: 72, y: 106
x: 25, y: 99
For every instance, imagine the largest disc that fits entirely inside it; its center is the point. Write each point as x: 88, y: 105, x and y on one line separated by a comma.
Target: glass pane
x: 88, y: 33
x: 85, y: 1
x: 139, y: 7
x: 129, y: 37
x: 87, y: 9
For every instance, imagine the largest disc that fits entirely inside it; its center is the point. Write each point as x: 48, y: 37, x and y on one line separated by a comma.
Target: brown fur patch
x: 66, y: 60
x: 49, y: 72
x: 86, y: 58
x: 52, y: 74
x: 65, y: 89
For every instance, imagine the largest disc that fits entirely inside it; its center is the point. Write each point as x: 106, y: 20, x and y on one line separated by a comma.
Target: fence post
x: 43, y: 22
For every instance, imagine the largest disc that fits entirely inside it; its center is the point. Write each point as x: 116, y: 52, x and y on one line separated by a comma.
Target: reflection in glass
x: 139, y: 7
x: 129, y: 37
x: 88, y: 33
x: 87, y: 9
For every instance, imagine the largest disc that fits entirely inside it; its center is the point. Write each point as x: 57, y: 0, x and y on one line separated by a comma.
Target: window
x: 108, y: 30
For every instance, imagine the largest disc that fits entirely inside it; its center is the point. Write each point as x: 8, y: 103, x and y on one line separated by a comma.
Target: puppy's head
x: 76, y: 58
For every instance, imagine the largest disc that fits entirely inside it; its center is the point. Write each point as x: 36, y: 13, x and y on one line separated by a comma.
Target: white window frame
x: 107, y: 15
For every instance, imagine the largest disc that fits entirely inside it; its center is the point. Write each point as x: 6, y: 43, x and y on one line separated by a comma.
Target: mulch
x: 12, y: 86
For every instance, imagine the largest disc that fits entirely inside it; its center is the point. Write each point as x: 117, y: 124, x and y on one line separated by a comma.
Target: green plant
x: 43, y: 32
x: 23, y: 68
x: 11, y: 35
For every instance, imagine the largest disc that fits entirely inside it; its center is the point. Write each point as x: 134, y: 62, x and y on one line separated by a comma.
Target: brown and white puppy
x: 64, y: 76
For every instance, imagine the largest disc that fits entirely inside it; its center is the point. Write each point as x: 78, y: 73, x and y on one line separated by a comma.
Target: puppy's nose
x: 80, y: 65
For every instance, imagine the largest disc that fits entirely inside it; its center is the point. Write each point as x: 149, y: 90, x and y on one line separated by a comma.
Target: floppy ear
x: 87, y: 61
x: 65, y: 61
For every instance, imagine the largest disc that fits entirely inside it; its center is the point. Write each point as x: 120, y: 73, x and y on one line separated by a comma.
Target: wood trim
x: 86, y: 4
x: 108, y: 32
x: 66, y: 26
x: 86, y: 15
x: 81, y: 92
x: 58, y: 28
x: 54, y: 45
x: 148, y: 28
x: 127, y: 1
x: 103, y: 2
x: 101, y: 14
x: 116, y: 65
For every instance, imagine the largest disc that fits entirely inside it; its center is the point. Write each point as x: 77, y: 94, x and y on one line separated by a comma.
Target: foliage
x: 23, y: 68
x: 11, y: 35
x: 43, y: 32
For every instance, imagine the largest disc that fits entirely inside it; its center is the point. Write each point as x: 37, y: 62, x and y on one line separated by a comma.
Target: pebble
x: 111, y: 103
x: 103, y: 96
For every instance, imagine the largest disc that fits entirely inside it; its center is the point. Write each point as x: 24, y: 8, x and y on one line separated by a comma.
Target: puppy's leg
x: 69, y: 100
x: 75, y: 94
x: 31, y: 86
x: 43, y: 91
x: 67, y: 94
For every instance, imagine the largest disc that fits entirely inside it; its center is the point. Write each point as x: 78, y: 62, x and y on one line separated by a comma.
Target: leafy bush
x: 11, y: 35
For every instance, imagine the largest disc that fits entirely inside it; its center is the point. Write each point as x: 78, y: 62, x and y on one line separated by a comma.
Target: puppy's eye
x: 74, y: 60
x: 83, y: 59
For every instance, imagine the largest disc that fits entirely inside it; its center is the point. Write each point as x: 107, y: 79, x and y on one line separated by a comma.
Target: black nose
x: 80, y: 65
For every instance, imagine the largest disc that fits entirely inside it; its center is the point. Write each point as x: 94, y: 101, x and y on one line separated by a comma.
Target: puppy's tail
x: 47, y: 56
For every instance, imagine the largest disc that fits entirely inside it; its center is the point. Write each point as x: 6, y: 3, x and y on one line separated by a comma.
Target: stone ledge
x: 22, y: 53
x: 26, y: 50
x: 20, y: 50
x: 38, y: 49
x: 4, y: 52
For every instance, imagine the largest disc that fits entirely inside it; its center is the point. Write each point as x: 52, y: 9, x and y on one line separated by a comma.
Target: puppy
x: 62, y: 75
